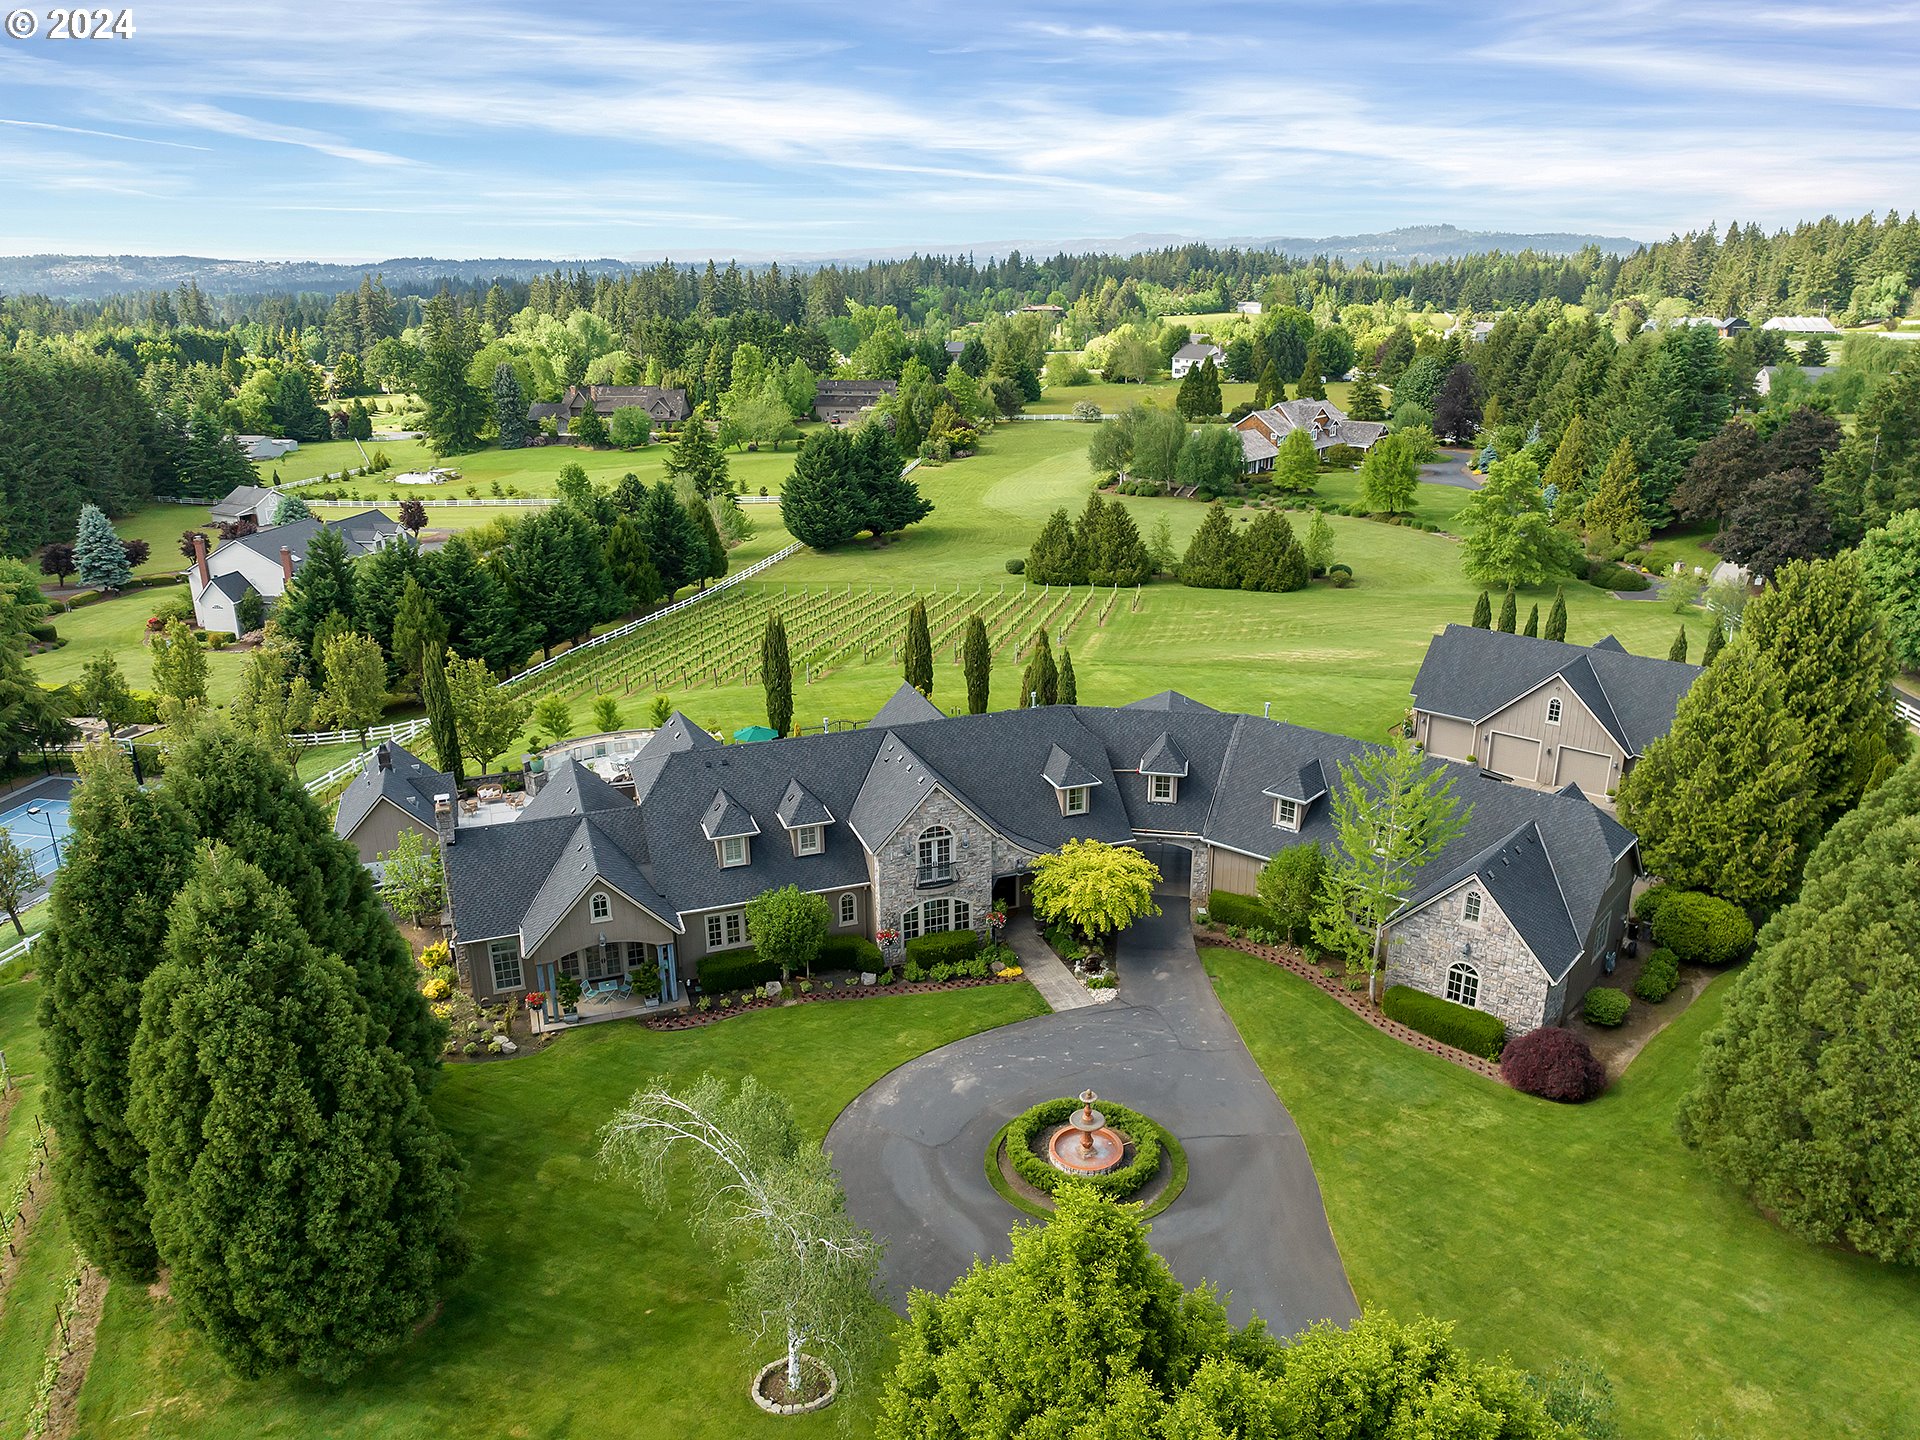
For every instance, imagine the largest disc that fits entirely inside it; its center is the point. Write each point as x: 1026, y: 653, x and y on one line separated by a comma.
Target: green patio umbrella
x: 756, y: 732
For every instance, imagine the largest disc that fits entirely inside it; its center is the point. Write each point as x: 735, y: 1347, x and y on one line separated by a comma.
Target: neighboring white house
x: 1194, y: 354
x: 1802, y: 325
x: 1248, y: 307
x: 258, y: 503
x: 1763, y: 377
x: 265, y: 561
x: 266, y: 447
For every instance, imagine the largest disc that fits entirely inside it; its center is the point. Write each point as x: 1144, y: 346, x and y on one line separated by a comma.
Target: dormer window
x: 1470, y: 909
x: 1160, y: 789
x: 1075, y: 798
x: 1286, y: 813
x: 602, y: 908
x: 806, y: 840
x: 733, y: 851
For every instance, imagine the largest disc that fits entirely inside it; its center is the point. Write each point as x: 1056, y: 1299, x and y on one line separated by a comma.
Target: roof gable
x: 799, y: 807
x: 727, y: 818
x: 906, y: 706
x: 1163, y: 757
x: 572, y: 788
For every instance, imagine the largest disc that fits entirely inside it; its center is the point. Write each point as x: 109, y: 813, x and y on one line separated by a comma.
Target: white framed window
x: 1160, y: 789
x: 1463, y: 984
x: 733, y: 851
x: 602, y: 906
x: 935, y: 854
x: 1286, y: 814
x: 1553, y: 710
x: 726, y: 929
x: 931, y: 917
x: 806, y: 840
x: 849, y: 909
x: 1470, y: 908
x: 1077, y: 800
x: 503, y: 957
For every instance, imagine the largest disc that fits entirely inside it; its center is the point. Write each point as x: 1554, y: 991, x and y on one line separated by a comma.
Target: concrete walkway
x: 1047, y: 971
x: 910, y: 1150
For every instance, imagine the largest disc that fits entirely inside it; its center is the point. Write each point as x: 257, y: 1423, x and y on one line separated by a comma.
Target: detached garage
x: 1513, y: 756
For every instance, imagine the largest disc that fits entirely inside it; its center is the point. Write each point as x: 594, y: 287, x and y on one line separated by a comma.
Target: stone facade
x: 1423, y: 946
x: 976, y: 857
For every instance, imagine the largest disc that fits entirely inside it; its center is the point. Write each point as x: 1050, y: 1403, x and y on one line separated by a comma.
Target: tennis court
x: 40, y: 828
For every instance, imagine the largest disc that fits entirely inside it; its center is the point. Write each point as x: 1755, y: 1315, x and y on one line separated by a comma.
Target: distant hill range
x: 90, y: 277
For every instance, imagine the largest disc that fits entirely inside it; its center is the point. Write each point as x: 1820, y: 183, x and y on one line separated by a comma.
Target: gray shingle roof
x: 1471, y: 674
x: 727, y: 818
x: 241, y: 500
x: 1163, y: 757
x: 411, y: 784
x: 1063, y: 772
x: 906, y: 706
x: 876, y: 778
x: 799, y: 806
x: 1169, y: 700
x: 572, y: 788
x: 1197, y: 350
x: 360, y: 533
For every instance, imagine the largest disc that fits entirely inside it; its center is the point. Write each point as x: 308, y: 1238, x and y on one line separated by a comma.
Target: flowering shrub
x: 435, y: 956
x: 436, y: 988
x: 1012, y: 972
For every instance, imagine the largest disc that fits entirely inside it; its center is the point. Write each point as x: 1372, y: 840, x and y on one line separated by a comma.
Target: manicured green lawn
x: 330, y: 457
x: 1113, y: 398
x: 1548, y: 1231
x: 1685, y: 543
x: 119, y: 626
x: 584, y: 1314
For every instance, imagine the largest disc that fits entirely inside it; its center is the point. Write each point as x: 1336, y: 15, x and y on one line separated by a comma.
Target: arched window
x: 1463, y: 983
x: 602, y: 907
x: 849, y: 908
x: 1553, y: 710
x: 936, y: 855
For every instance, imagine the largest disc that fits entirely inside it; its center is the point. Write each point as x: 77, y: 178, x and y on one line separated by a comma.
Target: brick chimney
x: 286, y: 564
x: 444, y: 819
x: 200, y: 558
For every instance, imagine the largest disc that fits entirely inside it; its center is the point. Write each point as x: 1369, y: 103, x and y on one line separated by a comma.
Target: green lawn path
x: 1547, y: 1230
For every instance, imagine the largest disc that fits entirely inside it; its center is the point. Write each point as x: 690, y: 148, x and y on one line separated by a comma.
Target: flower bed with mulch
x: 1289, y: 957
x: 691, y: 1019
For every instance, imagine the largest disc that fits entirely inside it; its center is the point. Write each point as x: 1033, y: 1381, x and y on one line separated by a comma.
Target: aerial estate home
x: 664, y: 404
x: 267, y: 560
x: 922, y: 822
x: 1262, y: 431
x: 1543, y: 712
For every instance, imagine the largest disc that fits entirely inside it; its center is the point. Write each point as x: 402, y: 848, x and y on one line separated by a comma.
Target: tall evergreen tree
x: 98, y: 555
x: 1189, y: 402
x: 322, y: 586
x: 1720, y: 802
x: 1678, y: 650
x: 1210, y: 387
x: 302, y: 1198
x: 1270, y: 556
x: 1716, y: 642
x: 1807, y: 1090
x: 1212, y: 561
x: 917, y: 650
x: 1066, y: 688
x: 455, y: 409
x: 1615, y: 516
x: 239, y: 790
x: 893, y: 501
x: 128, y: 852
x: 417, y: 630
x: 1363, y: 400
x: 976, y: 659
x: 676, y: 545
x: 1312, y: 384
x: 1482, y: 613
x: 1509, y: 613
x: 821, y: 503
x: 776, y: 675
x: 712, y: 553
x: 1040, y: 683
x: 632, y: 566
x: 379, y: 583
x: 442, y: 727
x: 1557, y: 617
x: 1055, y: 557
x: 697, y: 458
x: 1820, y: 626
x: 1566, y: 474
x: 1532, y: 627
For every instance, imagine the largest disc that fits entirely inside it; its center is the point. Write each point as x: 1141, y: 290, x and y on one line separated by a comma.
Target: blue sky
x: 360, y: 131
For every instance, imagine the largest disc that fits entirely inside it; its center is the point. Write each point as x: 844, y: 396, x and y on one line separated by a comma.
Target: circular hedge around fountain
x: 1121, y: 1183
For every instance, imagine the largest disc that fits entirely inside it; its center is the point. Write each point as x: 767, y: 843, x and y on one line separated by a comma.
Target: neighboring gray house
x: 266, y: 447
x: 922, y: 822
x: 257, y: 503
x: 664, y: 404
x: 267, y: 560
x: 1325, y: 421
x: 393, y: 795
x: 839, y: 402
x: 1543, y: 712
x: 1194, y: 354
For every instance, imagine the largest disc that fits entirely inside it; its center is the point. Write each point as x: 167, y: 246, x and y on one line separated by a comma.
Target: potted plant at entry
x: 886, y: 940
x: 647, y: 987
x: 535, y: 1000
x: 568, y: 989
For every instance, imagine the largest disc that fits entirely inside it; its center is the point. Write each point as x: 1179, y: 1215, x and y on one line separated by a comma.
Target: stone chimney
x: 445, y: 821
x: 286, y: 564
x: 200, y: 558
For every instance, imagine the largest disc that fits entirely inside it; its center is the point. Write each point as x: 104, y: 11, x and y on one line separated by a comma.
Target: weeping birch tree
x: 767, y: 1198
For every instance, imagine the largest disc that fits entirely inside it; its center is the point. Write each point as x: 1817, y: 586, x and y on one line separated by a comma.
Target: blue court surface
x: 43, y: 836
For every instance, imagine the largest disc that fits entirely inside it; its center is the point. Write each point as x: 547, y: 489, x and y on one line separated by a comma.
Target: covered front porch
x: 607, y: 980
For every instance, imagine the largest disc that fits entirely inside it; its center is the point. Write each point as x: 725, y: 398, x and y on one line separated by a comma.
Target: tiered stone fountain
x: 1086, y: 1144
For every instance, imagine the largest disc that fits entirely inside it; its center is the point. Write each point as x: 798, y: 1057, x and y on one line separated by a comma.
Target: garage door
x: 1449, y: 739
x: 1514, y: 757
x: 1585, y: 769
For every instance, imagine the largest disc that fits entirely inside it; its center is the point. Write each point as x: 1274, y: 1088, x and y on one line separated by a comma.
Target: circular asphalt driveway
x: 910, y: 1149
